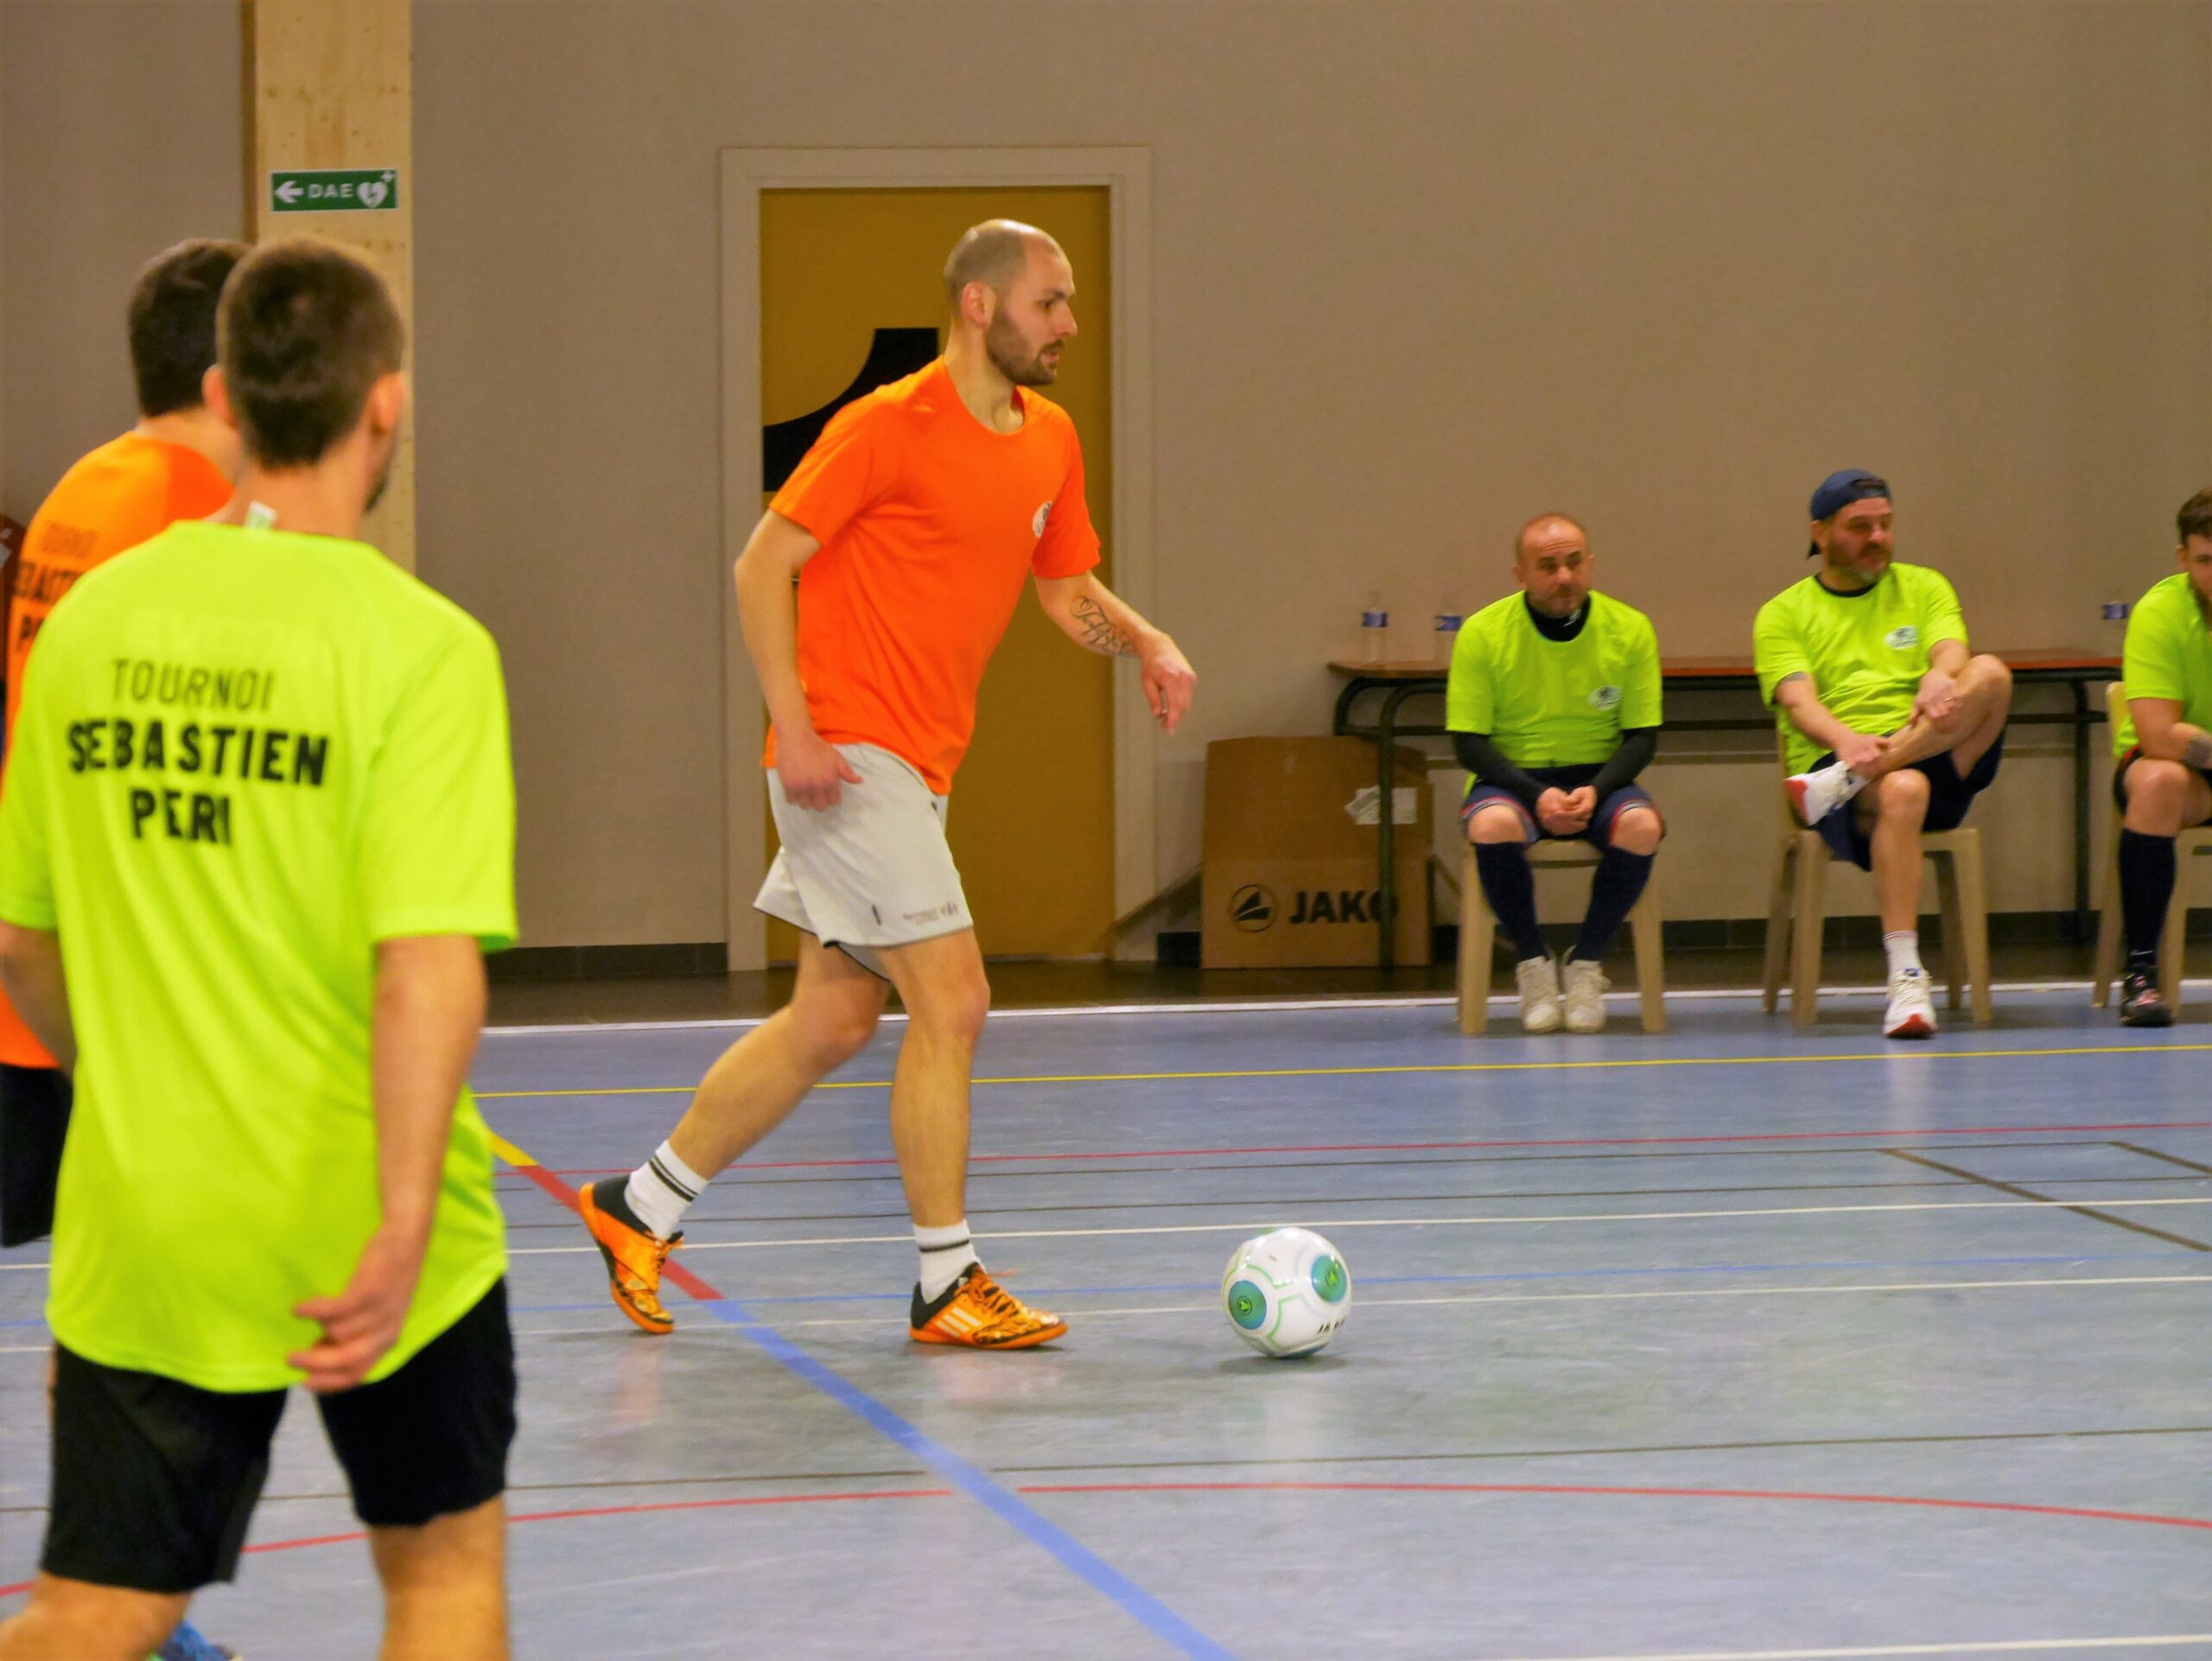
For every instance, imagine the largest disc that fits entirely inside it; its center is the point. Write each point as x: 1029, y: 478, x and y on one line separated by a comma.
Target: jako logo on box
x: 1252, y: 908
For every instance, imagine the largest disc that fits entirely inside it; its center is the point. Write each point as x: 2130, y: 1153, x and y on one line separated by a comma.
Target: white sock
x: 662, y: 1190
x: 1904, y: 947
x: 945, y: 1254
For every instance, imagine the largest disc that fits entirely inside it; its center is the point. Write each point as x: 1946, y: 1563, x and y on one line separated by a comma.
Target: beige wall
x: 119, y: 122
x: 1420, y: 269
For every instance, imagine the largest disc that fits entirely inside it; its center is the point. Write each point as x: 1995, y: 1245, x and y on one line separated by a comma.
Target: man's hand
x: 1937, y: 700
x: 1862, y: 752
x: 1168, y: 680
x: 1555, y: 813
x: 1581, y: 804
x: 813, y: 770
x: 363, y: 1321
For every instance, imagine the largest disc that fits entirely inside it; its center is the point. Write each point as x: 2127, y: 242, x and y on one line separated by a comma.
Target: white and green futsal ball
x: 1286, y: 1292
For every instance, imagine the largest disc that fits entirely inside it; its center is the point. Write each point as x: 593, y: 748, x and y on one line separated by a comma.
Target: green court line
x: 1440, y: 1066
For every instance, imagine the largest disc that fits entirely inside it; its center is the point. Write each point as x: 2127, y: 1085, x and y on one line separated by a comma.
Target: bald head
x: 1551, y: 557
x: 1542, y: 528
x: 1012, y: 292
x: 995, y: 254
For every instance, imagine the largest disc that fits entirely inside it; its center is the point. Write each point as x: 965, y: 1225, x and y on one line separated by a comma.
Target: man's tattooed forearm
x: 2198, y: 752
x: 1100, y: 633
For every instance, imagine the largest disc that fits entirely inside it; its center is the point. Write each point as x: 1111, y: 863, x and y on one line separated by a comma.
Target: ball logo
x: 1899, y: 639
x: 1252, y: 908
x: 1604, y: 698
x: 1037, y: 520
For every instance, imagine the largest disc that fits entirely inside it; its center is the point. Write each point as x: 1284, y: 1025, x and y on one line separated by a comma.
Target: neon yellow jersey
x: 2168, y: 655
x: 1553, y: 704
x: 243, y: 759
x: 1865, y: 652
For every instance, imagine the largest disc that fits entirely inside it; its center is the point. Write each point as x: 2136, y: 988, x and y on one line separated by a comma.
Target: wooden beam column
x: 331, y: 93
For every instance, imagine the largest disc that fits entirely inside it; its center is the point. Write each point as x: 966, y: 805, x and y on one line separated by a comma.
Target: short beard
x: 1004, y: 346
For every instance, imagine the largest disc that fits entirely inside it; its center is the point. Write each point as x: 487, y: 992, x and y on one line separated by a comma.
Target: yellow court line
x: 1440, y: 1066
x: 507, y: 1151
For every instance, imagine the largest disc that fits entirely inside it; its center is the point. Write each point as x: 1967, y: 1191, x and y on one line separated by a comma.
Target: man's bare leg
x: 89, y: 1623
x: 445, y: 1596
x: 1984, y: 700
x: 947, y: 996
x: 634, y: 1221
x: 942, y: 983
x: 1899, y: 804
x: 758, y: 1080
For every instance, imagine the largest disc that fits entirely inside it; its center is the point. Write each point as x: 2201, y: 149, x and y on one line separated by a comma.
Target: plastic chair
x: 1478, y: 937
x: 1799, y: 909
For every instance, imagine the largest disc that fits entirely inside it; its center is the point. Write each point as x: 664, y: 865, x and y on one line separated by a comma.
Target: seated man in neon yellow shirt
x: 1889, y: 726
x: 1554, y: 709
x: 2164, y: 741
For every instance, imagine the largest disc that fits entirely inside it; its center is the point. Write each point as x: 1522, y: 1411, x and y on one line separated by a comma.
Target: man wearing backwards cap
x: 1889, y: 726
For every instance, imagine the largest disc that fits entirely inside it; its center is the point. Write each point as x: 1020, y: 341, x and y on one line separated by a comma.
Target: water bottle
x: 1448, y: 620
x: 1374, y: 630
x: 2113, y: 636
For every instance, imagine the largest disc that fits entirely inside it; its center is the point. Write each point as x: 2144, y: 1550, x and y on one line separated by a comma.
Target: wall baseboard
x: 611, y: 963
x: 1178, y: 948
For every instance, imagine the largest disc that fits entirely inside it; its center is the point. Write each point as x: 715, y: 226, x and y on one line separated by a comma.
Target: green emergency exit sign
x: 335, y: 190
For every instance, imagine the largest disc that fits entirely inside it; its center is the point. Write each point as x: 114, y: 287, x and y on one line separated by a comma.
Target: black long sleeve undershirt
x: 1480, y: 755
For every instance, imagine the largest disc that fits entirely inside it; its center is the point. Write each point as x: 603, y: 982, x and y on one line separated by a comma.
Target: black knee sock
x: 2146, y: 888
x: 1510, y: 887
x: 1614, y: 890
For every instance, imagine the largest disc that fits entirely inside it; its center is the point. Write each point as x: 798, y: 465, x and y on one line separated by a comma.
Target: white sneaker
x: 1584, y: 996
x: 1912, y: 1011
x: 1815, y: 795
x: 1539, y: 979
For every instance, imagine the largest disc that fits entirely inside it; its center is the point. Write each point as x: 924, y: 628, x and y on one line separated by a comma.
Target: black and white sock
x: 662, y: 1190
x: 945, y: 1253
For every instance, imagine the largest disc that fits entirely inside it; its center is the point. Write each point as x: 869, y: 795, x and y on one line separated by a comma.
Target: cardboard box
x: 1288, y: 879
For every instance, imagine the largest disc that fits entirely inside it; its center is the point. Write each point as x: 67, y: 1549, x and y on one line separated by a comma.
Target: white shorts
x: 874, y: 870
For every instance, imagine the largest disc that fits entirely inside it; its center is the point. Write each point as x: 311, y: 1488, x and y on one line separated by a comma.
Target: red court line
x: 603, y: 1510
x: 1431, y: 1147
x: 1583, y: 1489
x: 1569, y: 1489
x: 696, y: 1288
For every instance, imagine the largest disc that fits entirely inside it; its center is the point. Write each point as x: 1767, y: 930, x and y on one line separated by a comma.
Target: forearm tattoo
x: 1100, y: 632
x: 2198, y: 752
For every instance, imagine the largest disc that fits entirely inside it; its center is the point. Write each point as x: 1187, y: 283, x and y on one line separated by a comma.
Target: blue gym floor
x: 1730, y: 1342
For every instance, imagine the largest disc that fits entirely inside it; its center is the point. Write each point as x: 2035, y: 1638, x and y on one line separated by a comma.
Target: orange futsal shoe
x: 633, y: 1255
x: 977, y: 1311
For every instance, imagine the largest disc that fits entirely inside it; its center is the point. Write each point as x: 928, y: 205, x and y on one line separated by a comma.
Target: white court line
x: 1251, y: 1006
x: 2006, y: 1646
x: 1266, y: 1223
x: 1597, y: 1297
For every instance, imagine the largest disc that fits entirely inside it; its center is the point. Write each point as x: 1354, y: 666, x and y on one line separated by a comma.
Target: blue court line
x: 1157, y: 1618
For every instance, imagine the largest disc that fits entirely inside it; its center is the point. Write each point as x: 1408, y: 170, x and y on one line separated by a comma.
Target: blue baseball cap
x: 1839, y: 490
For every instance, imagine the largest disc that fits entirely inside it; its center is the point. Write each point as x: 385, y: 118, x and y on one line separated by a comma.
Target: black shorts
x: 1949, y: 798
x: 1598, y: 833
x: 2120, y: 776
x: 34, y: 1120
x: 155, y: 1480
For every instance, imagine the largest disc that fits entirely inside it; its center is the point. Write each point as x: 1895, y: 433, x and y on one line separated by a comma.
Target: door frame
x: 1125, y: 172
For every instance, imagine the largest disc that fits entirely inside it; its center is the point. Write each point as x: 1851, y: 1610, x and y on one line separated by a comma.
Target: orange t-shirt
x: 116, y: 498
x: 930, y: 524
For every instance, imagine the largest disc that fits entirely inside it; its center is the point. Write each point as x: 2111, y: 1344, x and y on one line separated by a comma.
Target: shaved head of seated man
x: 1554, y: 709
x: 1891, y: 727
x: 2163, y: 782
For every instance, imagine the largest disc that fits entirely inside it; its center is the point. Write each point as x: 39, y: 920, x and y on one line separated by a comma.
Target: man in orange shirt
x: 176, y: 464
x: 911, y: 527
